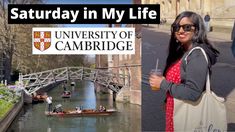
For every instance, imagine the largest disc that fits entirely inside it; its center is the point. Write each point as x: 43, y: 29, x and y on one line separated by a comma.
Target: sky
x: 87, y: 2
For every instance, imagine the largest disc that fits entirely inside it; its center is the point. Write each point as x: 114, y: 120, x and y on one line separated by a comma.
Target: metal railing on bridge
x: 35, y: 81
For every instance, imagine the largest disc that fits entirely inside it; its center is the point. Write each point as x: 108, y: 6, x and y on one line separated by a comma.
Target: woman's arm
x: 193, y: 80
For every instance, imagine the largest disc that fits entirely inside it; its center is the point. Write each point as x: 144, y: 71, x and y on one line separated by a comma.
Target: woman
x: 181, y: 80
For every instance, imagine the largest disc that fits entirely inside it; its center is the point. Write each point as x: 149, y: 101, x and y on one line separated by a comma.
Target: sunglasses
x: 186, y: 27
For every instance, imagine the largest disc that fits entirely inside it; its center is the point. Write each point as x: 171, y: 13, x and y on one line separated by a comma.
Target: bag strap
x: 208, y: 86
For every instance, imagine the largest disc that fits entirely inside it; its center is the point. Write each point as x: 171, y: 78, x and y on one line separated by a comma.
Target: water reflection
x: 32, y: 117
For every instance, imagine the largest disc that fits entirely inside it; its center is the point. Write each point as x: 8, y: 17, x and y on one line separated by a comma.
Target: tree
x: 16, y: 46
x: 8, y: 34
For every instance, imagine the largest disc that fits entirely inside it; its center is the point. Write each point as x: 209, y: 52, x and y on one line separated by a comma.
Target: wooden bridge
x: 35, y: 81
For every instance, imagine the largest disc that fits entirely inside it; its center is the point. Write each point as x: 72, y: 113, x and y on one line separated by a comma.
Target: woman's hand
x: 155, y: 81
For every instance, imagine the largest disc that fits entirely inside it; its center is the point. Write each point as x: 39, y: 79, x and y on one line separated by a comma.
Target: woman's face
x: 184, y: 31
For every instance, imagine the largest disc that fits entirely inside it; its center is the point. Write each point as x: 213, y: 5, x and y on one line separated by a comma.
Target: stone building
x: 101, y: 61
x: 221, y: 11
x: 128, y: 65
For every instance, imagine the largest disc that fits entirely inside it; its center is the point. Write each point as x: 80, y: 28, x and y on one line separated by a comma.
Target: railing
x: 35, y: 81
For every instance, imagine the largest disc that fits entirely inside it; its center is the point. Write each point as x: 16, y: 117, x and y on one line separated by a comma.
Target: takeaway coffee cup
x: 157, y: 72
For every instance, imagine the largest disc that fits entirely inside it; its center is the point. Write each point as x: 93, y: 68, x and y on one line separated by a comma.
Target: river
x: 33, y: 119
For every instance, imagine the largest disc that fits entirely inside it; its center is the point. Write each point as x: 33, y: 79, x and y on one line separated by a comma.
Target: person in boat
x: 33, y: 96
x: 78, y: 109
x: 58, y: 109
x: 64, y: 86
x: 72, y: 83
x: 49, y: 102
x: 103, y: 108
x: 100, y: 108
x: 67, y: 92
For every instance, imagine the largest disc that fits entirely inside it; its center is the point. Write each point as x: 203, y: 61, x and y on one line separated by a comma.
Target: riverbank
x: 10, y: 116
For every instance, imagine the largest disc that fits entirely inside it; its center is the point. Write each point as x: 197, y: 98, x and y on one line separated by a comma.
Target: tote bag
x: 207, y: 114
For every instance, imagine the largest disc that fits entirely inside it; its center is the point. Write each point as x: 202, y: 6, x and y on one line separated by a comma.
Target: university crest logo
x: 42, y: 40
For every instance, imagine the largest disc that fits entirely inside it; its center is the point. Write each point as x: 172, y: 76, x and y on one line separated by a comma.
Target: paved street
x: 155, y: 43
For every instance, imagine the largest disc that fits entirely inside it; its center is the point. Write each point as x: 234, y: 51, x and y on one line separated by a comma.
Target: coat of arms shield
x: 42, y: 40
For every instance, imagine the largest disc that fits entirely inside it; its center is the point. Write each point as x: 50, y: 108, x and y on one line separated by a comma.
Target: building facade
x: 130, y: 65
x: 127, y: 65
x: 220, y: 11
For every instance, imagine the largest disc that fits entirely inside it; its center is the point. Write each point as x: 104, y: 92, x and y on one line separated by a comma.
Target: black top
x: 207, y: 18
